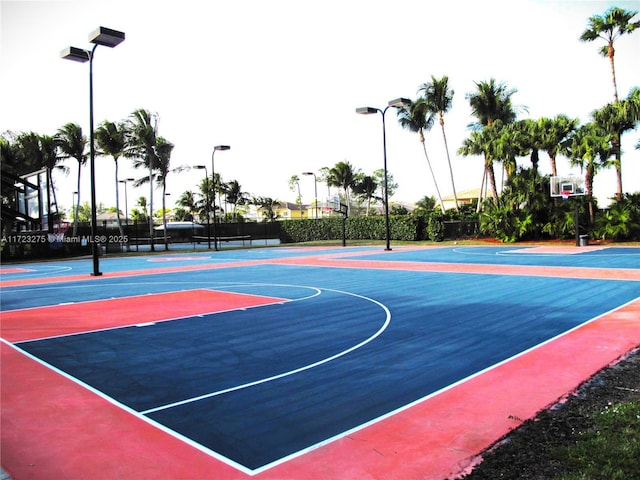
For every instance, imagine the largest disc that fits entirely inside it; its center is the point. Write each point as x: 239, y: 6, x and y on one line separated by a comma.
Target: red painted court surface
x: 42, y: 322
x: 54, y: 427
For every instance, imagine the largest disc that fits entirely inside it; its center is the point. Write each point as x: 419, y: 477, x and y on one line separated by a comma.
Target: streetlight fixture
x: 204, y: 167
x: 213, y: 179
x: 396, y: 103
x: 108, y: 38
x: 315, y: 184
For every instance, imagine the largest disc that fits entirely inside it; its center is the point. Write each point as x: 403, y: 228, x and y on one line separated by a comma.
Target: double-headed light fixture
x: 107, y: 38
x: 397, y: 103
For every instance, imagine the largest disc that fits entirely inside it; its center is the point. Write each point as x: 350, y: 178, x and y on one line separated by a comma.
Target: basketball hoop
x: 565, y: 194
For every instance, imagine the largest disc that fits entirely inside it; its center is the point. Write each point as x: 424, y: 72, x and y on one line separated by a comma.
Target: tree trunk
x: 491, y: 175
x: 554, y: 169
x: 611, y: 54
x: 446, y: 147
x: 424, y: 148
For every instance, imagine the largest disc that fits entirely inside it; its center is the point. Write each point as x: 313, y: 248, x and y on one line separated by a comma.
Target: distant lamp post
x: 397, y: 103
x: 126, y: 205
x: 108, y: 38
x: 206, y: 176
x: 213, y: 178
x: 74, y: 209
x: 315, y: 184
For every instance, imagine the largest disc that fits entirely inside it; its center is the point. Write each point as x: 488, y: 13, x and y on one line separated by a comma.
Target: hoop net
x: 565, y: 194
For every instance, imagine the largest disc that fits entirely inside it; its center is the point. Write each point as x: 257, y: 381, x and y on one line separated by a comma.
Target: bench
x: 200, y: 238
x: 147, y: 240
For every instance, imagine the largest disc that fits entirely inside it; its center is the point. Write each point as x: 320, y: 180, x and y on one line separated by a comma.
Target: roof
x: 464, y: 194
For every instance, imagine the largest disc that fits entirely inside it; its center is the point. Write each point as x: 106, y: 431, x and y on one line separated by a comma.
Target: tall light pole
x: 109, y: 38
x: 204, y: 167
x: 213, y: 178
x: 397, y: 103
x: 126, y: 205
x: 315, y: 184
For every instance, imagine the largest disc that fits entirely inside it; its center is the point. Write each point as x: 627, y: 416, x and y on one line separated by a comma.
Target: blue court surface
x: 344, y: 347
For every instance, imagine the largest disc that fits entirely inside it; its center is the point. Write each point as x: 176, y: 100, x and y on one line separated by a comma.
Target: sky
x: 279, y: 81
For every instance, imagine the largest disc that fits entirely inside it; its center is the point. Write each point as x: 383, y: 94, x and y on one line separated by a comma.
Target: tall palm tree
x: 141, y: 144
x: 439, y: 98
x: 618, y: 118
x: 72, y: 144
x: 590, y: 149
x: 294, y: 185
x: 554, y: 133
x: 41, y: 151
x: 206, y: 193
x: 490, y: 103
x: 484, y: 142
x: 112, y: 140
x: 50, y: 160
x: 163, y: 150
x: 417, y: 117
x: 609, y: 27
x: 342, y: 175
x: 235, y: 195
x: 366, y: 189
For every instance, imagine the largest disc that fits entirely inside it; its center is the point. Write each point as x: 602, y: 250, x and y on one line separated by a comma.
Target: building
x: 465, y: 197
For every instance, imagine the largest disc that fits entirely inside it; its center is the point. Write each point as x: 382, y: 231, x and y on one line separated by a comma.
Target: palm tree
x: 188, y: 202
x: 50, y: 160
x: 266, y: 204
x: 554, y: 133
x: 440, y: 99
x: 235, y: 195
x: 163, y: 150
x: 140, y: 214
x: 618, y: 118
x: 72, y: 144
x: 111, y: 139
x: 141, y: 144
x: 294, y: 185
x: 484, y: 142
x: 590, y: 149
x: 366, y: 188
x: 342, y: 175
x: 41, y: 151
x: 489, y: 104
x: 417, y: 117
x: 609, y: 27
x: 206, y: 193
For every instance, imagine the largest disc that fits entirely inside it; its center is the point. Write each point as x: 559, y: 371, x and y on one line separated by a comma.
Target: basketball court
x: 300, y: 363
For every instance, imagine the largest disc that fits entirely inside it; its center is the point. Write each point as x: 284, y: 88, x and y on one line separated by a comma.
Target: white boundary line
x: 290, y: 372
x: 143, y: 415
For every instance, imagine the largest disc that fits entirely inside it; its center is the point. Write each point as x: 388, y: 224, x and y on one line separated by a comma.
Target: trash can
x: 584, y: 240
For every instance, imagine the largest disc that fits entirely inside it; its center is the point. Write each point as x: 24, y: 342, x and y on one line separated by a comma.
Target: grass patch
x: 609, y: 449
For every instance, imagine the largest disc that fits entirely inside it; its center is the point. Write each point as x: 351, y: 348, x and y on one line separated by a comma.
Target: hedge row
x: 401, y: 227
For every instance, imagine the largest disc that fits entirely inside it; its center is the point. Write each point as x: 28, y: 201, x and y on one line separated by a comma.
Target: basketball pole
x: 576, y: 219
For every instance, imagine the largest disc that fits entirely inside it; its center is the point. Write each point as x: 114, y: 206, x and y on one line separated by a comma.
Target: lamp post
x: 397, y: 103
x: 315, y: 184
x: 126, y: 205
x: 213, y: 178
x: 108, y: 38
x: 204, y: 167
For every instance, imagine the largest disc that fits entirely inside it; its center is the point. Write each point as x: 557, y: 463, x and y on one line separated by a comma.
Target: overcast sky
x: 279, y: 81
